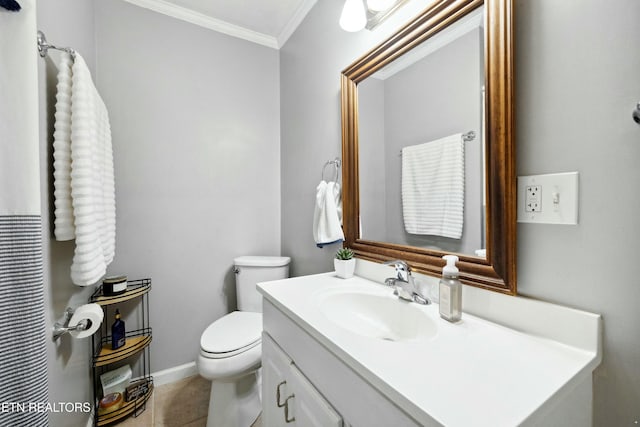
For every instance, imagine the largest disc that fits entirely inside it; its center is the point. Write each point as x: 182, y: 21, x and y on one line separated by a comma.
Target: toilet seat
x: 232, y: 334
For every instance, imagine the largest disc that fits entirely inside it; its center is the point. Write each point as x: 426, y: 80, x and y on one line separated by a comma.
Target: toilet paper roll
x: 91, y: 312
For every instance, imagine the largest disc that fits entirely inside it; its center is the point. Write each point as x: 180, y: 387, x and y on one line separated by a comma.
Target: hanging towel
x: 433, y: 187
x: 63, y: 209
x: 84, y: 180
x: 92, y: 180
x: 327, y: 217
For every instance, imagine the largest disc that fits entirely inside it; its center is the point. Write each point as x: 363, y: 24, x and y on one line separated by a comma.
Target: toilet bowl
x: 231, y: 350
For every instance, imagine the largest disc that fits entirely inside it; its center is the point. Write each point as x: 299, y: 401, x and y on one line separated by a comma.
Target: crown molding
x: 295, y: 21
x: 205, y: 21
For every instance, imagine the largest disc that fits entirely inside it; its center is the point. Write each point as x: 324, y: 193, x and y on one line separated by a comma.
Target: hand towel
x: 63, y: 209
x: 433, y: 187
x: 92, y: 179
x: 327, y: 216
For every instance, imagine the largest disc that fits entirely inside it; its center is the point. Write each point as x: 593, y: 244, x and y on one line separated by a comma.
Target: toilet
x: 231, y: 350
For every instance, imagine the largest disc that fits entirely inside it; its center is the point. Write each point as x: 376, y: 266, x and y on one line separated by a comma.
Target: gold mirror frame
x: 497, y: 271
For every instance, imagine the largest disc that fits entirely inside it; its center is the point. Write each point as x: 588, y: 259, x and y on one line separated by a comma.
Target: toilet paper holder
x: 62, y: 327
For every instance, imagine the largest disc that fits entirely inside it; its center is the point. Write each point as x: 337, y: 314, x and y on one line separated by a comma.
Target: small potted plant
x: 344, y: 263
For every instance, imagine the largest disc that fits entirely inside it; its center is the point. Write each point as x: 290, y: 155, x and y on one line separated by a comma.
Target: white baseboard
x: 177, y: 373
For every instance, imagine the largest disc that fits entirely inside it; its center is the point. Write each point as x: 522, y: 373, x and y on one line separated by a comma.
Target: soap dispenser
x: 450, y: 290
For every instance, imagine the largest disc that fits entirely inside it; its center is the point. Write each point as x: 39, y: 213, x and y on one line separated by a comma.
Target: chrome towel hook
x: 636, y: 114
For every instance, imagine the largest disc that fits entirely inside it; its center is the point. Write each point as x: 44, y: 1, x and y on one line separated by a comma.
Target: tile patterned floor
x: 181, y: 404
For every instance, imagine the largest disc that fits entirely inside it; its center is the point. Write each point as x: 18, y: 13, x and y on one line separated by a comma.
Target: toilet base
x: 235, y: 403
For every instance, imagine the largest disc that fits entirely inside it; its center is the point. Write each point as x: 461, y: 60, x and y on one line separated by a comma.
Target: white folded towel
x: 83, y: 176
x: 327, y: 216
x: 433, y: 187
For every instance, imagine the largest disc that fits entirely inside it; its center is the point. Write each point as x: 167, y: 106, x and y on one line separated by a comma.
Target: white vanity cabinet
x: 289, y: 399
x: 432, y: 373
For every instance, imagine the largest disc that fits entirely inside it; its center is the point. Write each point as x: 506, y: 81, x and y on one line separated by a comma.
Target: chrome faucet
x: 405, y: 286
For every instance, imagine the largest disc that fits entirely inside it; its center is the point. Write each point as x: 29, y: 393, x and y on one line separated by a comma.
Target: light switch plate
x: 548, y: 199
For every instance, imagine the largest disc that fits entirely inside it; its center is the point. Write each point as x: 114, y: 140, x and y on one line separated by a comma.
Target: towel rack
x: 44, y: 46
x: 466, y: 137
x: 336, y: 163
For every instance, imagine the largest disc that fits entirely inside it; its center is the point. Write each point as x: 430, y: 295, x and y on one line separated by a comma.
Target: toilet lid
x: 232, y: 334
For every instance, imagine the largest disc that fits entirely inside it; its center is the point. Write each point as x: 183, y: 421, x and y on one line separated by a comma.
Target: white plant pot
x: 344, y: 267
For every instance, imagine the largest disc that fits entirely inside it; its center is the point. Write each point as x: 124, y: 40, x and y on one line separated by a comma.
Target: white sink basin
x: 377, y: 316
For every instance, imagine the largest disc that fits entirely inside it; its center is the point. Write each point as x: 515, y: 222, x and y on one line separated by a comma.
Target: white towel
x: 63, y: 212
x: 433, y: 187
x: 87, y: 177
x: 327, y: 216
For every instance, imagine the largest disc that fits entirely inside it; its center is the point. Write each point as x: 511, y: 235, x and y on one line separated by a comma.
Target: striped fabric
x: 23, y: 358
x: 433, y: 187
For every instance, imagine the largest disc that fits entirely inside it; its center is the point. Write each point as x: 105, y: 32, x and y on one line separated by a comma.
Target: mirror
x: 448, y: 74
x: 434, y: 90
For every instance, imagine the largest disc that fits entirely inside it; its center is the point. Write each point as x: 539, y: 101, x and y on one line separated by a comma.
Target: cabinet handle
x: 286, y: 410
x: 280, y: 405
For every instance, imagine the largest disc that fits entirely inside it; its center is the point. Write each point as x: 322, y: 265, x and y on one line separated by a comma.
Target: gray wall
x: 195, y: 124
x: 196, y: 136
x: 576, y: 84
x: 65, y: 23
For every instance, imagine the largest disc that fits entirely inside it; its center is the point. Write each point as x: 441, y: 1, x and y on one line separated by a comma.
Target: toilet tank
x: 253, y: 269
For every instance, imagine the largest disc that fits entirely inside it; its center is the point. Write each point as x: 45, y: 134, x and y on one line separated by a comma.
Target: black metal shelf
x: 135, y: 407
x: 135, y: 289
x: 136, y: 341
x: 137, y: 344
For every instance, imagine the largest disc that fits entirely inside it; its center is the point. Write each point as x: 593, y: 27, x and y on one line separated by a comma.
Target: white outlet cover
x: 557, y: 198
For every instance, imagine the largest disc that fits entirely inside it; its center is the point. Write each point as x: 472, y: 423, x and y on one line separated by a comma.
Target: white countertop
x: 474, y: 372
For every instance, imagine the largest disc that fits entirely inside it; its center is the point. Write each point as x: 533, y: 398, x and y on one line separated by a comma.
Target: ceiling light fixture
x: 354, y: 16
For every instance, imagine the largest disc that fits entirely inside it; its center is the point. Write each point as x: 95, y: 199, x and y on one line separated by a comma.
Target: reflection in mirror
x: 434, y: 91
x: 396, y: 98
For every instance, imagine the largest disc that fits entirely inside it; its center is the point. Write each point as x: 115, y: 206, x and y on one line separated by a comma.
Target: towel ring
x: 336, y: 163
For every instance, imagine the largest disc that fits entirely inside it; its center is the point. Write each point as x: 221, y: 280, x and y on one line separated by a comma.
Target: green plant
x: 344, y: 254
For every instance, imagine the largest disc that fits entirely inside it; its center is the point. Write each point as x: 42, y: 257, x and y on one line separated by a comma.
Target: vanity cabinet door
x: 288, y: 398
x: 275, y: 383
x: 310, y: 408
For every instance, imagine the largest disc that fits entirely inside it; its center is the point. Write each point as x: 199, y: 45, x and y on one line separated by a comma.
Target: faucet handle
x: 403, y: 271
x: 417, y: 298
x: 399, y: 264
